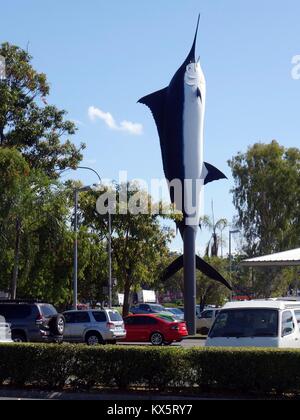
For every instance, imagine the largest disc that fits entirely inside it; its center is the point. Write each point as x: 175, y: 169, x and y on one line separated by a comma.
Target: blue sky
x: 109, y: 54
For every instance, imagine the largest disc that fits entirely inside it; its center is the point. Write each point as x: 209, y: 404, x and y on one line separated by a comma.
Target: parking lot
x: 187, y: 343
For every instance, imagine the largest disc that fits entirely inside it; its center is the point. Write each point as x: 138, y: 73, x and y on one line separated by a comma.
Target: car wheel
x: 204, y: 331
x: 57, y: 325
x: 18, y: 338
x: 94, y: 339
x: 157, y: 339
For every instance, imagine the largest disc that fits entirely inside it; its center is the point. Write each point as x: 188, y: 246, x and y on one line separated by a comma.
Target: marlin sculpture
x: 178, y: 111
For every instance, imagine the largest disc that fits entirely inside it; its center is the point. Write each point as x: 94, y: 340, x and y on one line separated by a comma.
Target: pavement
x: 9, y: 394
x: 186, y: 343
x: 23, y: 395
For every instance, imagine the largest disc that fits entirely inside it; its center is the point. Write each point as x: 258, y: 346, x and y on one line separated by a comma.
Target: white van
x: 257, y: 323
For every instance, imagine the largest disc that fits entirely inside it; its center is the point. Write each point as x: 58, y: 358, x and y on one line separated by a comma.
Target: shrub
x: 167, y: 368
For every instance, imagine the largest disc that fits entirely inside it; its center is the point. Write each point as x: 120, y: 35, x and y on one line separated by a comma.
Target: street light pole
x: 75, y: 275
x: 231, y: 232
x: 109, y: 262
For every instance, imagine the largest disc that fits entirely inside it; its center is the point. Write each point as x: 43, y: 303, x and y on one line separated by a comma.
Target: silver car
x: 177, y: 313
x: 5, y: 331
x: 205, y: 320
x: 94, y: 327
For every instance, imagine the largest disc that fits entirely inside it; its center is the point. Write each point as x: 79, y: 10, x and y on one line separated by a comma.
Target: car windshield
x: 175, y: 311
x: 246, y: 323
x: 48, y: 310
x: 157, y: 308
x: 114, y: 316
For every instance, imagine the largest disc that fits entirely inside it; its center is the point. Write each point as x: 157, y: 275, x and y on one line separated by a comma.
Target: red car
x: 153, y: 328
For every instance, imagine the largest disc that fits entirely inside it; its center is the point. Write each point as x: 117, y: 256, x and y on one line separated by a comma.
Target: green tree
x: 210, y: 292
x: 216, y: 239
x: 39, y: 131
x: 14, y: 174
x: 139, y: 242
x: 33, y: 224
x: 46, y: 252
x: 266, y: 196
x: 262, y: 283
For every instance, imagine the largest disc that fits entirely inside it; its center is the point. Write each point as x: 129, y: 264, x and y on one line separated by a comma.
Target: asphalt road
x: 187, y: 343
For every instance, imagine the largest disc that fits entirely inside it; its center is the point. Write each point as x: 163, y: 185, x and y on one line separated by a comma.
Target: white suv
x: 5, y: 331
x: 94, y: 327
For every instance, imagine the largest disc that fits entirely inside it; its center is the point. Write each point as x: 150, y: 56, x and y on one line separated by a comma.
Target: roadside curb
x: 94, y: 396
x: 195, y: 337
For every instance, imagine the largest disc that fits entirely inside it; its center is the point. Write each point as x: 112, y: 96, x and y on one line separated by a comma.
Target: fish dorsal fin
x: 213, y: 174
x: 156, y: 102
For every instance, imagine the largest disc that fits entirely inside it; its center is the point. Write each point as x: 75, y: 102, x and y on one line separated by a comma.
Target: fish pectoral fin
x: 156, y: 102
x: 213, y: 174
x: 199, y: 95
x: 210, y: 272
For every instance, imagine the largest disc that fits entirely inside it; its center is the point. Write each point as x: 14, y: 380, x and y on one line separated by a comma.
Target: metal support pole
x: 190, y: 278
x: 109, y: 263
x: 230, y: 256
x: 75, y: 275
x: 231, y: 232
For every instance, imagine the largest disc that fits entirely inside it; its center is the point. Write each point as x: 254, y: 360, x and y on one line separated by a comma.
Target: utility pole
x: 109, y: 262
x: 76, y: 196
x: 75, y: 274
x: 231, y: 232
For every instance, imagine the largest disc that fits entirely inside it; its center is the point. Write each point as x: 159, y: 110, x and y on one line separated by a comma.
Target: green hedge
x: 81, y: 367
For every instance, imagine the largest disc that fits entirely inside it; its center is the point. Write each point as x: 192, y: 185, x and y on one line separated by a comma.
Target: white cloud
x: 126, y: 126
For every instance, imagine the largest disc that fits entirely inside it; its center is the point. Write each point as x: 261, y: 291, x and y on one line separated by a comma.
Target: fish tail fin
x: 173, y: 268
x: 201, y: 265
x: 211, y: 272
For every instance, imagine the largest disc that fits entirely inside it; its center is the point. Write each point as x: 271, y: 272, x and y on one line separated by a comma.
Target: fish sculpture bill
x: 179, y: 112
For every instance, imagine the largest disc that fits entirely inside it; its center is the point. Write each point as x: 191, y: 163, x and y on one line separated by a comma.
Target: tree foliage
x: 216, y: 240
x: 139, y: 243
x: 35, y: 146
x: 267, y: 197
x: 39, y: 131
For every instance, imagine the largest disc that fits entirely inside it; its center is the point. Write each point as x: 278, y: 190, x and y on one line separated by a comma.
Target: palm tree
x: 216, y: 238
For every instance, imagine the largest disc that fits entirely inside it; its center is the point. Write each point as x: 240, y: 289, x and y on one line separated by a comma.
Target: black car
x: 33, y: 322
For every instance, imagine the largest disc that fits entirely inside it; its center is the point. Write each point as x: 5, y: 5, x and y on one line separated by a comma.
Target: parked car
x: 32, y: 321
x: 205, y: 320
x: 148, y: 308
x: 153, y: 328
x: 177, y: 313
x: 262, y: 323
x: 5, y: 331
x: 94, y: 327
x: 198, y: 309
